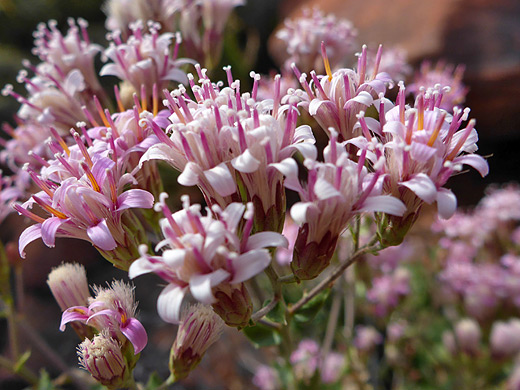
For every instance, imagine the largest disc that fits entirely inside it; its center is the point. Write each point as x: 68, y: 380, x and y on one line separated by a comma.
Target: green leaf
x: 44, y: 383
x: 262, y: 336
x: 308, y: 311
x: 22, y: 360
x: 154, y: 381
x: 277, y: 314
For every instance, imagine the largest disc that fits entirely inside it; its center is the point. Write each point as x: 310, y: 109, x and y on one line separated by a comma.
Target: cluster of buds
x: 113, y: 337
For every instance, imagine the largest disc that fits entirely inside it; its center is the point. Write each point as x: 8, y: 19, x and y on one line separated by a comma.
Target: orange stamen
x: 326, y: 60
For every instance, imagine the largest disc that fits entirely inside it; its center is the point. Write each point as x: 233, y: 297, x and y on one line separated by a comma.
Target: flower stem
x: 371, y: 246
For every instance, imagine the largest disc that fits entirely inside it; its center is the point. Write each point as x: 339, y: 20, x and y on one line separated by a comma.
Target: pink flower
x: 302, y: 38
x: 228, y: 144
x: 144, y: 59
x: 442, y: 77
x: 199, y: 253
x: 337, y: 98
x: 336, y: 190
x: 83, y: 193
x: 113, y: 309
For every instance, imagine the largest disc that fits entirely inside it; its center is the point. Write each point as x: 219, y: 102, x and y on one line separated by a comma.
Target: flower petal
x: 101, y: 236
x: 422, y: 186
x: 75, y: 313
x: 169, y: 303
x: 28, y: 235
x: 475, y: 161
x: 250, y: 264
x: 246, y: 162
x: 384, y: 203
x: 446, y: 203
x: 49, y: 228
x: 266, y: 239
x: 135, y: 199
x: 201, y: 285
x: 135, y: 333
x: 221, y: 180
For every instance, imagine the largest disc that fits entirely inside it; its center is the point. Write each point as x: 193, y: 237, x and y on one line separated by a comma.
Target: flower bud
x: 310, y: 259
x: 468, y: 336
x: 69, y: 286
x: 505, y: 338
x: 233, y: 304
x: 199, y: 328
x: 102, y: 357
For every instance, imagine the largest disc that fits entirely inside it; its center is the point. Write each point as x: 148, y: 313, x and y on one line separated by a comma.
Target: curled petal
x: 266, y: 239
x: 384, y: 203
x: 135, y: 333
x: 135, y: 199
x: 49, y: 228
x: 201, y: 285
x: 475, y: 161
x: 189, y: 176
x: 246, y: 162
x: 446, y: 203
x: 169, y: 303
x: 28, y: 235
x: 101, y: 236
x: 75, y: 313
x: 422, y: 186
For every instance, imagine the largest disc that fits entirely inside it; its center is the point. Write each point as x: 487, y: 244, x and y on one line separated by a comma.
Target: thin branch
x: 265, y: 310
x: 333, y: 276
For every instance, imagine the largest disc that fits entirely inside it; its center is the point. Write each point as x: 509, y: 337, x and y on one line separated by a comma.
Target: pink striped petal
x: 250, y: 264
x: 49, y: 228
x: 475, y: 161
x: 75, y: 313
x: 28, y: 235
x: 101, y: 237
x: 135, y: 199
x: 169, y: 303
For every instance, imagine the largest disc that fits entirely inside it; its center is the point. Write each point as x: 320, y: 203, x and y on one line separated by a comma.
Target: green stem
x: 23, y: 372
x: 286, y: 279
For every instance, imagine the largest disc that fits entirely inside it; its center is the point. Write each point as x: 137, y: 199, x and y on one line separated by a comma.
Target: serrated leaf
x: 262, y: 336
x: 22, y: 360
x: 308, y: 311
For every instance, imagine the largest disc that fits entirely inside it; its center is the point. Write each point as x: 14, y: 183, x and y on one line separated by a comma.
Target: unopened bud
x: 311, y: 258
x: 102, y: 357
x: 233, y: 304
x: 199, y: 328
x: 69, y: 286
x: 468, y: 336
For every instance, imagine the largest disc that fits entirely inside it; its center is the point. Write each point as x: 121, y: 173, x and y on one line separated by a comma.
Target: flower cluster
x: 209, y: 257
x: 303, y: 36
